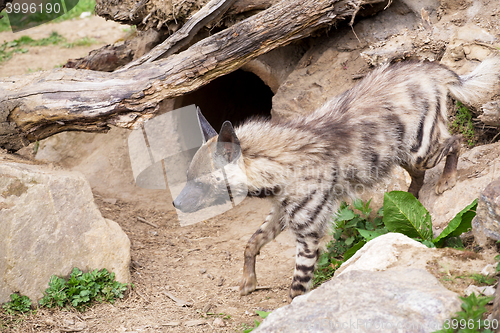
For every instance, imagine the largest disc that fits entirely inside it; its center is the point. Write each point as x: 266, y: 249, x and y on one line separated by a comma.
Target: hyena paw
x: 445, y: 183
x: 248, y: 284
x: 294, y: 292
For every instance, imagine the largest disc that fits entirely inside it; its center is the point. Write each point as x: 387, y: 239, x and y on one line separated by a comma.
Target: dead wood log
x: 211, y: 11
x: 165, y: 14
x: 112, y: 56
x: 38, y: 105
x: 121, y: 54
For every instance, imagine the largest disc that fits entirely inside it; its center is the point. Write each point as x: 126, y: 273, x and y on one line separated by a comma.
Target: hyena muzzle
x: 396, y: 115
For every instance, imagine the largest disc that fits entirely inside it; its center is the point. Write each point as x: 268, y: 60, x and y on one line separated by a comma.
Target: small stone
x: 218, y: 322
x: 172, y: 323
x: 210, y: 276
x: 195, y: 323
x: 203, y: 271
x: 207, y: 308
x: 489, y: 270
x: 485, y: 291
x: 110, y: 201
x: 220, y: 282
x: 68, y: 322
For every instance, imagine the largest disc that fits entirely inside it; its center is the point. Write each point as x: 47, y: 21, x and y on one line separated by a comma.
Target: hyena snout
x: 189, y: 200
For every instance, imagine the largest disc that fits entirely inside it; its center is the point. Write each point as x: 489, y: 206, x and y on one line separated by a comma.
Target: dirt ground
x: 199, y: 264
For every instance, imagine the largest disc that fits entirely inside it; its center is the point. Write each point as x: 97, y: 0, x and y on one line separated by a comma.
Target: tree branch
x: 210, y: 12
x: 35, y: 106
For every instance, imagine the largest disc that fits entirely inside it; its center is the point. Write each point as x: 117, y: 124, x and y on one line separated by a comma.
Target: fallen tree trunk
x: 35, y: 106
x: 111, y: 57
x: 160, y: 14
x: 211, y: 11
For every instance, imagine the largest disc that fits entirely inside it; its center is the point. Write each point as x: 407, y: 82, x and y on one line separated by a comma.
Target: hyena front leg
x: 266, y: 233
x: 305, y: 262
x: 448, y: 178
x: 417, y: 180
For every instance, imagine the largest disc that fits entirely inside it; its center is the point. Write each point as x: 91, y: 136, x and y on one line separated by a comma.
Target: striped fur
x: 396, y: 115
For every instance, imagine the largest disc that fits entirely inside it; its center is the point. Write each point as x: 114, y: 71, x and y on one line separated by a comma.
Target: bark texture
x: 38, y: 105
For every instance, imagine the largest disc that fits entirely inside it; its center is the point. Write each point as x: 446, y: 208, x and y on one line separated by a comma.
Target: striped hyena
x: 396, y: 115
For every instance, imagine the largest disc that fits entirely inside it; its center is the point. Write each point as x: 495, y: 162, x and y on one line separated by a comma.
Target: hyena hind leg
x: 266, y: 233
x: 448, y: 178
x: 305, y: 263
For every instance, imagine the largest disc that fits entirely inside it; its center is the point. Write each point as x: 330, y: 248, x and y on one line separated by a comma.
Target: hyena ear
x: 206, y: 128
x: 228, y: 144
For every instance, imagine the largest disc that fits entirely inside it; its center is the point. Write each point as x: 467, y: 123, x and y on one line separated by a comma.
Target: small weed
x: 262, y: 314
x: 18, y: 304
x: 85, y: 41
x: 348, y: 236
x: 463, y: 124
x: 469, y: 320
x: 7, y: 49
x: 81, y: 289
x: 482, y: 279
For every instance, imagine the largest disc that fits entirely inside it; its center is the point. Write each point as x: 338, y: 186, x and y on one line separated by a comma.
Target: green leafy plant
x: 401, y: 213
x: 352, y: 231
x: 470, y: 319
x: 84, y: 41
x: 18, y: 304
x: 262, y: 314
x: 81, y: 289
x: 463, y: 123
x: 483, y: 279
x: 7, y: 49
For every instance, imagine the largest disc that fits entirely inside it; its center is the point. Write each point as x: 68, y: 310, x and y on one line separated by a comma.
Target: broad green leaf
x: 349, y: 241
x: 428, y: 243
x: 353, y: 223
x: 345, y: 214
x: 358, y: 204
x: 349, y: 253
x: 262, y: 314
x: 369, y: 235
x: 461, y: 223
x: 403, y: 213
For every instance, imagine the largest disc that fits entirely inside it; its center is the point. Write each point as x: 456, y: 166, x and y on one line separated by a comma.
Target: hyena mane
x: 396, y: 115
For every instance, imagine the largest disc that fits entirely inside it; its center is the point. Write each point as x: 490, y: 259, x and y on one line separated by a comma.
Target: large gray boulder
x: 49, y: 224
x: 386, y: 286
x: 408, y: 300
x: 486, y: 224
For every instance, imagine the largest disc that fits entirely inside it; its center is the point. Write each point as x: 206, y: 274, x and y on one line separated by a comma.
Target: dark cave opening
x: 236, y: 97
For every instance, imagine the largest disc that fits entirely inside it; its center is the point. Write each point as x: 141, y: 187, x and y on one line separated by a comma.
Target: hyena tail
x: 471, y: 88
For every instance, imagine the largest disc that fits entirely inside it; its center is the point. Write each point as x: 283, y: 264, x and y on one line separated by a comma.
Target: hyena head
x: 216, y: 172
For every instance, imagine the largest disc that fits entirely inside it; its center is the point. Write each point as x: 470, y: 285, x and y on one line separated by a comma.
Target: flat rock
x: 381, y: 253
x: 49, y: 225
x: 408, y: 300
